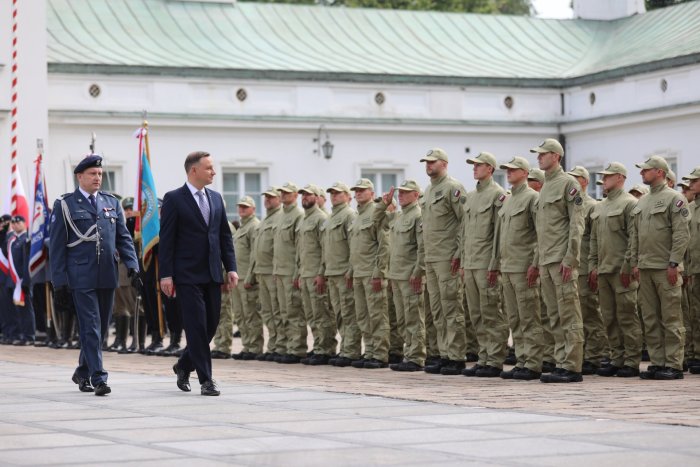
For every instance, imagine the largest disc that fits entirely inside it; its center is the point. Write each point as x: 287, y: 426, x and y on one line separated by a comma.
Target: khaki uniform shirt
x: 336, y: 243
x: 243, y: 241
x: 310, y: 249
x: 285, y: 262
x: 662, y: 233
x: 559, y: 219
x: 406, y: 255
x: 479, y: 224
x: 588, y: 206
x: 264, y: 243
x: 368, y: 245
x: 693, y: 266
x: 442, y: 219
x: 515, y: 240
x: 610, y: 237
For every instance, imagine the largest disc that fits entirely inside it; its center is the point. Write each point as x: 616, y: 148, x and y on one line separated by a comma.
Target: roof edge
x: 284, y: 75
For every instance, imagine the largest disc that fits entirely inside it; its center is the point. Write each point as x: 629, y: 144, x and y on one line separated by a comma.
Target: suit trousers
x: 201, y: 306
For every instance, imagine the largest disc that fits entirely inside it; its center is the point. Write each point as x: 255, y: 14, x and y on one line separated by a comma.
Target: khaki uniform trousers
x: 486, y: 315
x: 618, y: 306
x: 410, y: 313
x: 248, y: 319
x: 522, y: 306
x: 292, y: 338
x: 396, y: 324
x: 372, y: 317
x: 663, y: 318
x: 343, y: 303
x: 469, y: 331
x: 564, y: 311
x: 687, y: 321
x: 448, y: 314
x: 594, y: 336
x: 319, y: 316
x: 269, y: 309
x: 223, y: 339
x: 431, y: 341
x: 694, y: 305
x: 547, y: 334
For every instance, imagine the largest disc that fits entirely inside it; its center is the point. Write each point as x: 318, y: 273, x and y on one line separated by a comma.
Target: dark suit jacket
x: 190, y: 251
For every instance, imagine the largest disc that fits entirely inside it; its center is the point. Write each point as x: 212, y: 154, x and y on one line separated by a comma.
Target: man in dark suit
x: 195, y: 239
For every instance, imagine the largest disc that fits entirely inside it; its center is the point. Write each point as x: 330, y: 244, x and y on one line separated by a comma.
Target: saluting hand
x: 388, y: 197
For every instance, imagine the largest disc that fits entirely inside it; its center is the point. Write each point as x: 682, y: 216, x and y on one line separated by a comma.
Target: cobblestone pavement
x: 272, y: 414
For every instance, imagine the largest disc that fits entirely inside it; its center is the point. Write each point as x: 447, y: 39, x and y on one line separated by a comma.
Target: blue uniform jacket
x: 20, y: 258
x: 78, y: 267
x: 190, y: 251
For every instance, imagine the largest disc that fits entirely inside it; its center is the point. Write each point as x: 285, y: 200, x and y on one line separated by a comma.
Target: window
x: 111, y: 180
x: 239, y: 183
x: 500, y: 178
x: 594, y: 190
x: 383, y: 179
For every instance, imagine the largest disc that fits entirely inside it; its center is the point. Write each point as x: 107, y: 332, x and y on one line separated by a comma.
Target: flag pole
x: 159, y: 301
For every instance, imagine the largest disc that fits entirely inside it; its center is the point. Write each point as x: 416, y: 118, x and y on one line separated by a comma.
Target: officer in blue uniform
x: 88, y: 238
x: 24, y: 312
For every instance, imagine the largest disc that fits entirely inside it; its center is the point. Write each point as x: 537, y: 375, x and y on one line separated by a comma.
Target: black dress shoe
x: 395, y: 358
x: 83, y: 383
x: 319, y: 359
x: 262, y: 357
x: 341, y: 362
x: 406, y: 366
x: 627, y: 372
x: 249, y: 356
x: 548, y: 367
x: 170, y: 350
x: 488, y: 372
x: 607, y: 370
x: 694, y: 369
x: 373, y: 364
x: 650, y: 372
x: 237, y: 356
x: 453, y: 368
x: 272, y: 357
x: 154, y: 348
x: 359, y: 363
x: 435, y: 368
x: 183, y: 378
x: 432, y: 360
x: 220, y: 355
x: 209, y: 388
x: 289, y: 359
x: 589, y: 368
x: 668, y: 373
x: 471, y: 371
x: 472, y: 357
x: 102, y: 389
x: 526, y: 374
x: 510, y: 373
x: 511, y: 359
x: 564, y: 376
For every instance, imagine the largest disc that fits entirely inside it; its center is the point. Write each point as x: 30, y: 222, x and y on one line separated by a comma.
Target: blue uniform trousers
x: 94, y: 310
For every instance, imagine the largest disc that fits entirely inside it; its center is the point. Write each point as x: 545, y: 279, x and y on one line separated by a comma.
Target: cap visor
x: 538, y: 149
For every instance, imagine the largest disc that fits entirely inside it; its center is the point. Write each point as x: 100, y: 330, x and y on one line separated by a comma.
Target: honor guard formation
x: 417, y: 279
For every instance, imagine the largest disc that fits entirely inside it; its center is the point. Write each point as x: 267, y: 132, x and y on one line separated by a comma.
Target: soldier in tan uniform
x: 261, y: 272
x: 693, y: 269
x: 595, y: 338
x: 662, y: 234
x: 638, y: 191
x: 245, y: 295
x: 559, y: 231
x: 291, y: 340
x: 515, y: 257
x: 223, y: 338
x: 368, y: 259
x: 406, y: 270
x: 610, y: 273
x: 685, y: 289
x: 310, y: 278
x: 336, y: 261
x: 481, y: 282
x: 443, y: 209
x: 535, y: 180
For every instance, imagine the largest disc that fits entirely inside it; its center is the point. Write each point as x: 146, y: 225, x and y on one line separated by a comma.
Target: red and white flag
x: 18, y: 198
